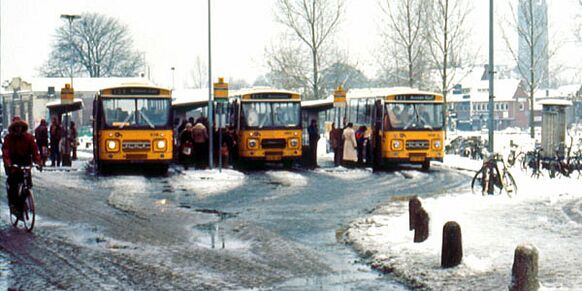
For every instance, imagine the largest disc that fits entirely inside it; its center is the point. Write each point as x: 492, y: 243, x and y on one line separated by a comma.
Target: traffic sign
x: 221, y: 91
x: 67, y: 94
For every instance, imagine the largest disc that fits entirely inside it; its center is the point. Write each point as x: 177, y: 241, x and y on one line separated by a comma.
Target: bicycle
x: 493, y: 181
x: 26, y: 199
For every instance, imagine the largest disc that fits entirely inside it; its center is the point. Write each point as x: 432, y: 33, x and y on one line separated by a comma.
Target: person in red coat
x: 19, y: 148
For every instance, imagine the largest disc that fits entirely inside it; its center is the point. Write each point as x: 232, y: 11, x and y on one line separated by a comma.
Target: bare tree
x: 448, y: 37
x: 199, y: 74
x: 95, y: 45
x: 313, y: 23
x: 406, y: 23
x: 532, y: 55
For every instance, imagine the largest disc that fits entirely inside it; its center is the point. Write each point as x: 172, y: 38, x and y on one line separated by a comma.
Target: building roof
x: 79, y: 84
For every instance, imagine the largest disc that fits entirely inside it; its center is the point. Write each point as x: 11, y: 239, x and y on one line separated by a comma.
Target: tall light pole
x: 173, y: 70
x: 491, y: 78
x: 70, y: 18
x: 210, y: 114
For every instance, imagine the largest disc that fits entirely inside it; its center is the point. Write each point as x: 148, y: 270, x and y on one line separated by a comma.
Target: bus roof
x: 258, y: 90
x: 385, y: 92
x: 327, y: 103
x: 162, y: 92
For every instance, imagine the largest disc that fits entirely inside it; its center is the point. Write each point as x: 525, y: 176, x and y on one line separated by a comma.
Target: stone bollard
x: 524, y: 274
x: 413, y: 206
x: 421, y: 225
x: 452, y: 249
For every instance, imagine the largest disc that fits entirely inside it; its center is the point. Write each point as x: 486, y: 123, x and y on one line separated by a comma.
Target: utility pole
x: 70, y: 18
x: 491, y: 78
x: 210, y: 113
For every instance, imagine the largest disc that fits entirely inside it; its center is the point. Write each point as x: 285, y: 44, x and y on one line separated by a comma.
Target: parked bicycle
x: 25, y: 211
x: 494, y: 178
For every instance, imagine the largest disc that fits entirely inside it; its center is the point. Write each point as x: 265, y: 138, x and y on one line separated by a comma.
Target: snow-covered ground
x: 546, y: 213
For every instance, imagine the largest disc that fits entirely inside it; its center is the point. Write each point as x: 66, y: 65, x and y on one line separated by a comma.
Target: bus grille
x: 417, y: 144
x: 136, y: 146
x: 273, y: 143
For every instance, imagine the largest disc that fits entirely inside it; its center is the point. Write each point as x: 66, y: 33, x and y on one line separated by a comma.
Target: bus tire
x: 287, y: 164
x: 426, y: 166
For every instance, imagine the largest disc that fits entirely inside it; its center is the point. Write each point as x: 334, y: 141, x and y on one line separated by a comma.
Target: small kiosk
x: 61, y: 109
x: 554, y: 126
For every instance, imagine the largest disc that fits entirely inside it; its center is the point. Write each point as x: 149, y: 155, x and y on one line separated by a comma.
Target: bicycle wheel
x: 13, y: 217
x: 509, y: 184
x: 28, y: 211
x: 477, y: 182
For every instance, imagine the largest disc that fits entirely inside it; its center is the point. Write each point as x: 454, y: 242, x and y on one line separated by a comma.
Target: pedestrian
x: 41, y: 136
x: 335, y: 136
x: 186, y: 146
x: 349, y: 153
x: 200, y: 140
x: 360, y: 140
x: 313, y: 131
x: 73, y: 139
x: 56, y: 132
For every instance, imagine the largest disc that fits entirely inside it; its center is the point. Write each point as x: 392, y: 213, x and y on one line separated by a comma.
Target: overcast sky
x: 172, y: 33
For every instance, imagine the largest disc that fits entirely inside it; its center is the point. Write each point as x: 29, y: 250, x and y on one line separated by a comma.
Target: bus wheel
x: 426, y: 166
x: 287, y: 164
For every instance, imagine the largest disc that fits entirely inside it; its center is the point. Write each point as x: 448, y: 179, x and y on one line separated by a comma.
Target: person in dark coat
x: 19, y: 148
x: 313, y: 131
x: 335, y: 136
x: 72, y: 139
x: 56, y: 132
x: 186, y: 153
x: 41, y: 136
x: 361, y: 143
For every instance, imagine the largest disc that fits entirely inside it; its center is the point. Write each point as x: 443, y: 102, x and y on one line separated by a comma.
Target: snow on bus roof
x: 257, y: 90
x: 383, y: 92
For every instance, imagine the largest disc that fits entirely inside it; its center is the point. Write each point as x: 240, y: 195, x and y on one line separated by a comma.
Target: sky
x: 173, y: 33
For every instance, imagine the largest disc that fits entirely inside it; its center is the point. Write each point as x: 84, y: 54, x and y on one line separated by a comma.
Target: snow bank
x: 546, y: 213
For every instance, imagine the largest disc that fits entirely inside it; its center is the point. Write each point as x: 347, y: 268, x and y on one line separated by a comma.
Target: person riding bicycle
x: 19, y: 149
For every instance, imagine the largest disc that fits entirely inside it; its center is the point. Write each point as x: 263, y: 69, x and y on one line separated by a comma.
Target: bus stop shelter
x: 61, y: 110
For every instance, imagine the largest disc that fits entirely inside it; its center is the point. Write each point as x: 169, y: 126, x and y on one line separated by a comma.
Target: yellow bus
x: 132, y: 125
x: 405, y: 125
x: 267, y: 125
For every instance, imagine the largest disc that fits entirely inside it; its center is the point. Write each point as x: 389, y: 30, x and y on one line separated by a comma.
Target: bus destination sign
x: 135, y: 91
x: 414, y: 97
x: 266, y: 96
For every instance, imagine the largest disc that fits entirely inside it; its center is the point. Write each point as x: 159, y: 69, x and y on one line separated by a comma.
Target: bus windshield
x: 271, y: 114
x: 136, y: 112
x: 404, y: 116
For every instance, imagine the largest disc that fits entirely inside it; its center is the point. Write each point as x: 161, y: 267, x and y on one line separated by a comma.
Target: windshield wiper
x: 126, y: 120
x: 146, y: 119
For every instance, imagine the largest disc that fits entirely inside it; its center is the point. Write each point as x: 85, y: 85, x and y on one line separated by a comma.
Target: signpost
x: 67, y: 97
x: 221, y: 97
x: 339, y: 102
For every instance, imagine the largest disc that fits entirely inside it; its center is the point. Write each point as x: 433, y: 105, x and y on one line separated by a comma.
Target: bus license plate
x: 273, y: 158
x: 417, y: 158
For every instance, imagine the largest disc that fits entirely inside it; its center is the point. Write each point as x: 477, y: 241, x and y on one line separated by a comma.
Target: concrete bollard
x: 452, y: 249
x: 421, y: 222
x: 524, y: 274
x: 413, y: 206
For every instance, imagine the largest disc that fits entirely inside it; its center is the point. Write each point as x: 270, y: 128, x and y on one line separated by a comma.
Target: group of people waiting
x: 193, y: 144
x: 351, y: 147
x: 52, y: 141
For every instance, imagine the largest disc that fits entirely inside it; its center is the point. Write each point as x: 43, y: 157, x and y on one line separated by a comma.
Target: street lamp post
x: 70, y: 18
x: 491, y: 78
x: 210, y: 113
x: 173, y: 70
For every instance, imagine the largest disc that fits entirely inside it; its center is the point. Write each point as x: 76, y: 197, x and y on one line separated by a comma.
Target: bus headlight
x: 160, y: 145
x: 112, y: 145
x: 436, y: 144
x: 396, y: 144
x: 252, y: 143
x: 294, y: 142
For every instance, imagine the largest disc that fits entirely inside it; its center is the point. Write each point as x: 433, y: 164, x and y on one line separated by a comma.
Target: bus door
x: 377, y: 131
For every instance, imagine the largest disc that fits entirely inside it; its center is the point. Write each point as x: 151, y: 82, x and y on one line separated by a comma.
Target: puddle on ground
x: 213, y: 236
